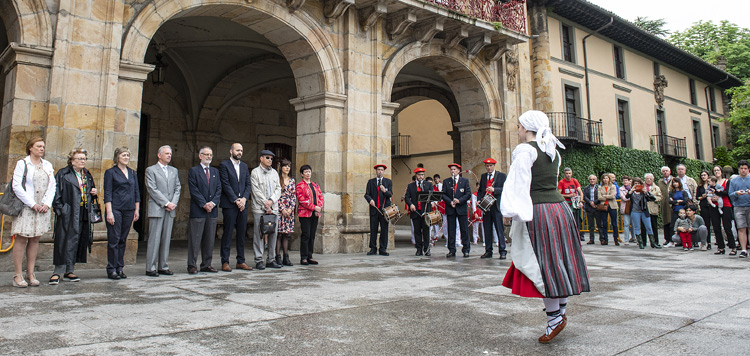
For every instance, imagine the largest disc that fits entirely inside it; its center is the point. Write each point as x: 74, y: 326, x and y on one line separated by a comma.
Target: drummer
x: 417, y: 210
x: 378, y: 194
x: 492, y: 183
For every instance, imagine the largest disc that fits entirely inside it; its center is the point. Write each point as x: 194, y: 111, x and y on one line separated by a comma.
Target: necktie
x: 455, y: 185
x: 378, y: 187
x: 165, y: 171
x: 419, y: 189
x: 208, y: 179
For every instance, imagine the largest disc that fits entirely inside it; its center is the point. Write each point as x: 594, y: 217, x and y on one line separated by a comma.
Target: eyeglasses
x: 267, y: 157
x: 80, y: 159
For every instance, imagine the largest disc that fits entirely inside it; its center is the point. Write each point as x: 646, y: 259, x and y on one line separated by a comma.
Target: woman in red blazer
x: 309, y: 205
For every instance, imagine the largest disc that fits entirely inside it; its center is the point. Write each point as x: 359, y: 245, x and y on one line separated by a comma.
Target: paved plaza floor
x: 643, y: 302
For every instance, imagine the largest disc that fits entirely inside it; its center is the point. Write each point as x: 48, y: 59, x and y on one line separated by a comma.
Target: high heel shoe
x: 719, y: 251
x: 733, y: 252
x: 33, y: 282
x: 21, y: 284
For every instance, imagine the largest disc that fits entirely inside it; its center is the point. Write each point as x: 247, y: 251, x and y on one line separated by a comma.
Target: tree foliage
x: 712, y: 41
x: 656, y: 27
x: 739, y: 117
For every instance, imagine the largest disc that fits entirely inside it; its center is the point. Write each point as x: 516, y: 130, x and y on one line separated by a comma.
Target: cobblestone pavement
x: 650, y: 302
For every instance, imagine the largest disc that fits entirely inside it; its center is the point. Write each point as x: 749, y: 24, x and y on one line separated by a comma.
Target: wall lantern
x: 160, y: 71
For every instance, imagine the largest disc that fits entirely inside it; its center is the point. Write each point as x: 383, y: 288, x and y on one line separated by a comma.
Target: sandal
x: 733, y: 252
x: 33, y: 281
x: 21, y: 284
x: 719, y: 251
x: 54, y: 280
x: 72, y: 277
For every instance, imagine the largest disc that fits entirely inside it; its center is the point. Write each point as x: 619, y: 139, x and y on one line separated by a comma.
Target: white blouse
x: 515, y: 201
x: 27, y: 196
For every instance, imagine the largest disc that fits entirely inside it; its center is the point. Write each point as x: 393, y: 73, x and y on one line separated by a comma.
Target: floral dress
x: 288, y: 200
x: 30, y: 223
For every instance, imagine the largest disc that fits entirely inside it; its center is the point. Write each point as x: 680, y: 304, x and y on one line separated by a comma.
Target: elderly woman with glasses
x: 72, y: 205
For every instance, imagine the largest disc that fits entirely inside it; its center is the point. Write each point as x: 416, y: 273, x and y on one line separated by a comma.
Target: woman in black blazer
x: 121, y: 199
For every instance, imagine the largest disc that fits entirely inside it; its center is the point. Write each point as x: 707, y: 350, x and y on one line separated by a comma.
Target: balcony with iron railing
x: 669, y: 146
x: 510, y: 14
x: 569, y: 127
x: 400, y: 146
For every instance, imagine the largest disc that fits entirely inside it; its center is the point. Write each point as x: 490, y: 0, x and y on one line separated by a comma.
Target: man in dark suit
x: 235, y: 191
x: 590, y: 201
x: 456, y: 192
x: 205, y: 193
x: 492, y: 183
x: 378, y: 194
x: 417, y: 211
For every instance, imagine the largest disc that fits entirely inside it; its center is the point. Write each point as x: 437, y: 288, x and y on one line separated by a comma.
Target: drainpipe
x: 586, y: 65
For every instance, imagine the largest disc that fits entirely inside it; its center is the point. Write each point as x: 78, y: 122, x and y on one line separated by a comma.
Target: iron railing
x: 400, y: 145
x: 670, y: 146
x: 567, y: 126
x: 511, y: 14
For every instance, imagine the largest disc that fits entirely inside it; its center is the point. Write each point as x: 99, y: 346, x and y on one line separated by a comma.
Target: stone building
x: 317, y: 81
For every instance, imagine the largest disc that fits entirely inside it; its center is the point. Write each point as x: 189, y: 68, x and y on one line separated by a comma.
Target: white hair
x: 204, y: 148
x: 593, y: 175
x: 665, y: 167
x: 680, y: 165
x: 648, y: 175
x: 162, y: 148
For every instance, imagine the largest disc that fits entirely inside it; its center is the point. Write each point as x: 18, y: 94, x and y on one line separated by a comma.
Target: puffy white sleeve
x: 515, y: 202
x: 49, y: 195
x: 18, y: 185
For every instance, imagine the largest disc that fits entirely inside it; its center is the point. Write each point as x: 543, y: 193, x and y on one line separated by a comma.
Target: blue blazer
x: 202, y: 191
x: 122, y: 192
x: 233, y: 188
x: 463, y: 194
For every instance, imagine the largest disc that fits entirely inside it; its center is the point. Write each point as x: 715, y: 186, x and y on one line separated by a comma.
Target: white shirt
x: 685, y: 188
x: 27, y: 196
x: 516, y: 199
x: 236, y: 165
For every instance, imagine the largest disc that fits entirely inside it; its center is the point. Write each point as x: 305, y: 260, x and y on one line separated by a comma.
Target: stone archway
x: 28, y: 22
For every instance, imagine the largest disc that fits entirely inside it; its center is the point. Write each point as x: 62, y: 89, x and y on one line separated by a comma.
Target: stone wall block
x: 21, y: 112
x: 38, y: 113
x: 31, y: 82
x: 80, y: 116
x: 87, y: 31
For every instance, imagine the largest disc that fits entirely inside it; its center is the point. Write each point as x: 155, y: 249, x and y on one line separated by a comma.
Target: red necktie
x: 455, y: 185
x: 207, y: 175
x: 489, y: 181
x: 378, y: 182
x: 419, y: 189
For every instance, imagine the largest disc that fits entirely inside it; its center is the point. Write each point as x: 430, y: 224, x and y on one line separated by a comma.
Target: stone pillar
x: 540, y: 58
x: 480, y: 139
x: 320, y: 143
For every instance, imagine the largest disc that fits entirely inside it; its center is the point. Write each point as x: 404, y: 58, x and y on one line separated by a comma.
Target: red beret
x: 454, y: 164
x: 489, y: 161
x: 380, y: 165
x: 419, y: 169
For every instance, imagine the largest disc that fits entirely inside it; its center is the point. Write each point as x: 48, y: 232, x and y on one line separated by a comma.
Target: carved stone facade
x: 312, y: 79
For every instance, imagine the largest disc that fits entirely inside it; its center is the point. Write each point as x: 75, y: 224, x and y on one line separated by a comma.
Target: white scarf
x: 537, y: 121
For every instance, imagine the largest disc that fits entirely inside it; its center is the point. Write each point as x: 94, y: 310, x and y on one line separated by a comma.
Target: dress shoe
x: 273, y: 264
x: 166, y: 272
x: 384, y: 253
x: 113, y: 275
x: 311, y: 261
x: 427, y: 253
x: 303, y: 262
x: 260, y: 266
x: 503, y: 255
x: 451, y: 254
x: 225, y: 267
x: 151, y: 274
x: 466, y: 254
x: 591, y: 242
x: 122, y: 275
x: 486, y: 255
x: 211, y: 269
x: 371, y: 252
x: 192, y: 270
x: 419, y: 253
x: 243, y: 266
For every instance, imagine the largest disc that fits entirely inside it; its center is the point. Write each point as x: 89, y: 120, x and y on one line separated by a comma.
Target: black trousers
x: 421, y: 234
x: 463, y: 224
x: 234, y: 219
x: 307, y: 239
x: 592, y: 216
x: 654, y: 228
x: 706, y: 214
x: 493, y: 220
x: 612, y: 213
x: 117, y: 236
x: 378, y: 220
x: 726, y: 219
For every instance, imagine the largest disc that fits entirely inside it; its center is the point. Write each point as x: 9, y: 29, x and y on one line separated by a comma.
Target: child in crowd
x: 682, y: 227
x: 713, y: 187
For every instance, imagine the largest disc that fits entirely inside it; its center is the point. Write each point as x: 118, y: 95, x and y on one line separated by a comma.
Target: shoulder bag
x: 267, y: 224
x: 9, y: 203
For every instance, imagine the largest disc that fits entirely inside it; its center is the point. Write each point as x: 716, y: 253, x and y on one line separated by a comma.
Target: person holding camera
x: 639, y: 212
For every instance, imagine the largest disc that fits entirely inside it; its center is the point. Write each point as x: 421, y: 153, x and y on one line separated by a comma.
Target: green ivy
x: 724, y: 157
x: 694, y: 167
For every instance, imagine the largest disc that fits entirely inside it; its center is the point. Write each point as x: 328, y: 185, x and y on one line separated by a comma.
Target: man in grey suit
x: 163, y: 187
x: 205, y: 192
x: 265, y: 193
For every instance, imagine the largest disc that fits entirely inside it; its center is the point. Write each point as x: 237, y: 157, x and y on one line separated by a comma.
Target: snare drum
x: 487, y: 202
x: 433, y: 218
x: 391, y: 212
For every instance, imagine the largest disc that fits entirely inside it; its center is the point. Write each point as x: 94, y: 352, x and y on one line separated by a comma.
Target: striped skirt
x: 558, y: 250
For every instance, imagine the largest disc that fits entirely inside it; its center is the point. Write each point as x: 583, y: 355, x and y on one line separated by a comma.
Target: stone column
x: 480, y: 139
x: 540, y: 58
x: 320, y: 143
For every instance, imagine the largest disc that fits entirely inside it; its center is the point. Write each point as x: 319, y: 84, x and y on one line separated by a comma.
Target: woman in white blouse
x: 36, y: 193
x: 546, y: 252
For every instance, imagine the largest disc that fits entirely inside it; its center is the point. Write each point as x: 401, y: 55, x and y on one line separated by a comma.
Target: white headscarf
x: 535, y: 120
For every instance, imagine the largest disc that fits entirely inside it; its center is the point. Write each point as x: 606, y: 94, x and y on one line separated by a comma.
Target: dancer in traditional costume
x: 547, y: 260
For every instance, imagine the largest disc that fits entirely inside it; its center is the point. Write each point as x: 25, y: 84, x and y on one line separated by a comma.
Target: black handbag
x: 9, y: 203
x: 267, y: 224
x: 96, y: 212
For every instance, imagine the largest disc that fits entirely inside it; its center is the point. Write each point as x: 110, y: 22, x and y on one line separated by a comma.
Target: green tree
x: 712, y: 41
x: 739, y: 117
x: 656, y: 27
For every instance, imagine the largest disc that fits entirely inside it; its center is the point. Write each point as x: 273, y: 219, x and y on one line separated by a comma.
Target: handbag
x: 9, y: 203
x: 627, y: 208
x: 96, y: 212
x: 267, y: 224
x: 603, y: 206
